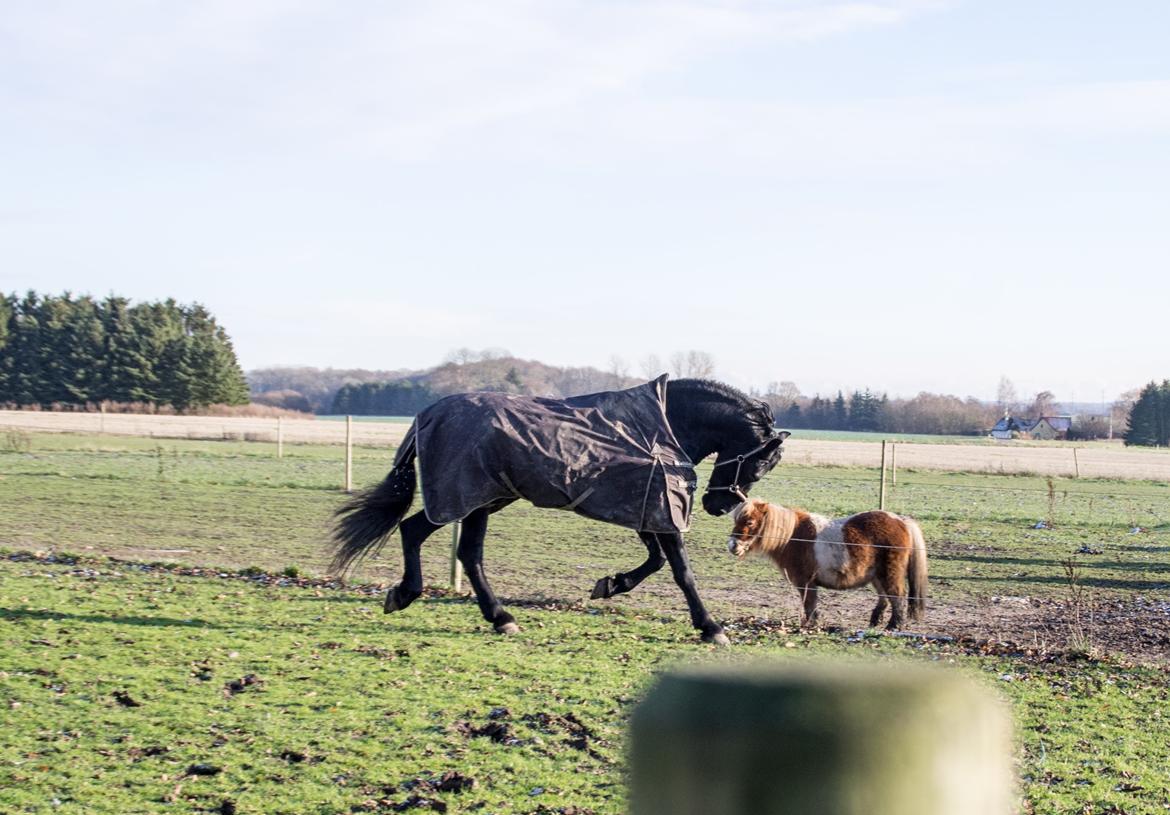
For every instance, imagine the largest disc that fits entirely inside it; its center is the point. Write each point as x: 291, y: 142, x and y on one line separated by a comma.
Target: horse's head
x: 711, y: 417
x: 736, y: 471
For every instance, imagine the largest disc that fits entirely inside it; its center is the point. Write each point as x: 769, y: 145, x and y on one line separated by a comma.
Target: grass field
x: 353, y: 708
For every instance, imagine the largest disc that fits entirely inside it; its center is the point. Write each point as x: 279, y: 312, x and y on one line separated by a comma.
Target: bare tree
x: 1043, y: 405
x: 1120, y: 409
x: 651, y: 366
x: 461, y: 356
x: 618, y: 367
x: 1005, y: 395
x: 784, y: 393
x: 700, y: 364
x: 678, y: 364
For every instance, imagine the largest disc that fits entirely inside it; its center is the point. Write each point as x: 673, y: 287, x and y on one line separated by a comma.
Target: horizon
x: 903, y: 195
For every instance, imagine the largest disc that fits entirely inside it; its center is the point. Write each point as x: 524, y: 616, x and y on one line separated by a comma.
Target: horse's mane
x: 757, y: 411
x: 776, y: 526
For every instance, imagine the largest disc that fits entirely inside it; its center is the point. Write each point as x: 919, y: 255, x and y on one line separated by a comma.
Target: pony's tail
x: 366, y: 520
x: 917, y: 571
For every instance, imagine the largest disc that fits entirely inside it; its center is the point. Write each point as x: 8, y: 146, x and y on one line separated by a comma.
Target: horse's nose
x: 732, y: 545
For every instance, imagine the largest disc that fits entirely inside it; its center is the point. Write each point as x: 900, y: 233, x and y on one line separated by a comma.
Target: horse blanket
x: 609, y: 456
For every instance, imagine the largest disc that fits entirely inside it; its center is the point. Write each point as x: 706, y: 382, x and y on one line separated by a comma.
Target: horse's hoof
x: 603, y: 589
x: 507, y: 628
x: 391, y: 603
x: 718, y: 638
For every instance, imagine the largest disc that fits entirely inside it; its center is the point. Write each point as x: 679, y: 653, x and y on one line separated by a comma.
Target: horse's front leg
x: 622, y: 582
x: 676, y: 554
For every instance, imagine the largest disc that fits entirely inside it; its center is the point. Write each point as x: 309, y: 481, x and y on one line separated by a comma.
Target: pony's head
x: 760, y: 527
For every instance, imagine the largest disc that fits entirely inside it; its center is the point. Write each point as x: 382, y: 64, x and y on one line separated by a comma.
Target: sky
x: 903, y: 195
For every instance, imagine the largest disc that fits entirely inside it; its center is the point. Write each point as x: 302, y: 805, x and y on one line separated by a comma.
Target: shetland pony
x: 879, y: 547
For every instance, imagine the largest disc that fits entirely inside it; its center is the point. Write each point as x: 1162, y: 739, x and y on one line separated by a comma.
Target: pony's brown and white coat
x: 813, y: 551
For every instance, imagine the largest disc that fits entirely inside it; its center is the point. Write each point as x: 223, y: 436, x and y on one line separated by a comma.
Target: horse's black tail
x: 366, y: 520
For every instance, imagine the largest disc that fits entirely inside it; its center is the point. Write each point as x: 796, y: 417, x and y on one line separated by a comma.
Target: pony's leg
x: 471, y: 556
x: 808, y: 596
x: 895, y: 584
x: 880, y: 609
x: 415, y: 530
x: 622, y: 582
x: 676, y: 554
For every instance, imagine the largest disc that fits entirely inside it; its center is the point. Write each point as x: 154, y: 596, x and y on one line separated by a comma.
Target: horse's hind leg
x: 414, y: 530
x: 880, y: 609
x: 625, y: 581
x: 471, y: 556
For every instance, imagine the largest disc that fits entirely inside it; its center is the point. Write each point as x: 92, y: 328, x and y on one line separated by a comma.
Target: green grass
x: 372, y: 702
x: 233, y: 504
x: 352, y: 706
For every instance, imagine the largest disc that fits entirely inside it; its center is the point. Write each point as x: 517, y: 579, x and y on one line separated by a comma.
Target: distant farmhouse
x: 1046, y: 428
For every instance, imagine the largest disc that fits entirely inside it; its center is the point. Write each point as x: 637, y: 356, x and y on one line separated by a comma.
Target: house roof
x: 1059, y: 423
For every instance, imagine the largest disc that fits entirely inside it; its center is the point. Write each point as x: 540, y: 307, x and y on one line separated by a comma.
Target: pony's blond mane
x: 776, y: 527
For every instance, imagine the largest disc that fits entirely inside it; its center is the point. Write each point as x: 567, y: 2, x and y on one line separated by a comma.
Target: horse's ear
x: 783, y: 434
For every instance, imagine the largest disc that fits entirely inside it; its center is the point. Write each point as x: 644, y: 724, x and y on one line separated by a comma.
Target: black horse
x: 706, y: 418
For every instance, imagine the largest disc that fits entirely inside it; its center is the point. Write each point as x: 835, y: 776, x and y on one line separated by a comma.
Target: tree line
x: 1149, y: 418
x: 866, y: 411
x: 66, y: 350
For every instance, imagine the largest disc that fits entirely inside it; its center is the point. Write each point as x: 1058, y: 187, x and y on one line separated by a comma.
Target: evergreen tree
x: 128, y: 375
x: 840, y: 413
x: 1144, y: 418
x: 7, y: 321
x: 819, y: 414
x: 793, y: 417
x: 62, y: 349
x: 865, y: 411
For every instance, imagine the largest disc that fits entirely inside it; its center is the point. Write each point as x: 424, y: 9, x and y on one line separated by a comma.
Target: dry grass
x: 1097, y: 461
x: 253, y: 409
x: 296, y: 427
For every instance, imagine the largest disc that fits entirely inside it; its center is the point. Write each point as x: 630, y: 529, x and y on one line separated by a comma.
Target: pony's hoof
x: 507, y: 628
x: 603, y: 589
x: 718, y: 638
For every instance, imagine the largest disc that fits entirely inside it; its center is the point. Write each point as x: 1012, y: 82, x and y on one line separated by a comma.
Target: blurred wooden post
x: 279, y: 439
x: 882, y: 488
x: 349, y: 454
x: 1076, y: 463
x: 893, y: 464
x: 456, y: 567
x: 830, y: 739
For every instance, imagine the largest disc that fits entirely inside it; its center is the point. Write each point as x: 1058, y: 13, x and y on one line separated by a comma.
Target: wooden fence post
x: 456, y: 567
x: 882, y: 488
x: 279, y: 439
x: 1076, y: 463
x: 349, y: 454
x: 831, y: 739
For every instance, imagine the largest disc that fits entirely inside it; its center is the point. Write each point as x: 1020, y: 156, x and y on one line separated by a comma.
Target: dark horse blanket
x: 609, y: 456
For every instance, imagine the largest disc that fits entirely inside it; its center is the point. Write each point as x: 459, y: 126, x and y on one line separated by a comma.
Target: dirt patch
x: 1138, y: 628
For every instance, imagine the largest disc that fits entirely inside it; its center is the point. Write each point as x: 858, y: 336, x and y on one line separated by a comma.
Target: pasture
x: 125, y: 685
